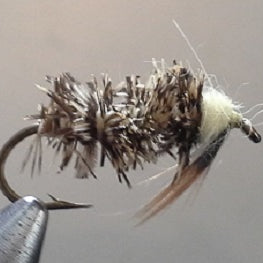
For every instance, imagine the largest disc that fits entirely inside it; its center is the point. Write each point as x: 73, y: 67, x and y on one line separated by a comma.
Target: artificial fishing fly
x: 133, y: 123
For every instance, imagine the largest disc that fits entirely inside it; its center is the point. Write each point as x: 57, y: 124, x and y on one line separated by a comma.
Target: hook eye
x: 247, y: 128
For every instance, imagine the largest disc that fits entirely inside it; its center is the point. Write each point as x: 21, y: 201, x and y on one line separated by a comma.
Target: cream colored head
x: 219, y: 113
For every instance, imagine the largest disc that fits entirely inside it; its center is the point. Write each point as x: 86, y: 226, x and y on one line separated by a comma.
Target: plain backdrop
x: 217, y: 221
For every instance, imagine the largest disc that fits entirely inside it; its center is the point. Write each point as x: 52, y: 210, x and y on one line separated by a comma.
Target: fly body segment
x: 133, y: 123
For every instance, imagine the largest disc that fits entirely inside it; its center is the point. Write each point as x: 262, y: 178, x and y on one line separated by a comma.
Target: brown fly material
x: 147, y: 121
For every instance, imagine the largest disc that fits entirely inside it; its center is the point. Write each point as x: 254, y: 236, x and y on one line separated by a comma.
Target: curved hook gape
x: 5, y: 187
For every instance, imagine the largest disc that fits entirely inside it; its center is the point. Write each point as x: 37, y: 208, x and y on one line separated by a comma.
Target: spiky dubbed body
x: 147, y: 120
